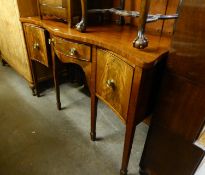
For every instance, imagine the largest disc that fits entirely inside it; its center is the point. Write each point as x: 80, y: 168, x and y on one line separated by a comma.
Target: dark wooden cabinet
x: 180, y: 111
x: 167, y: 153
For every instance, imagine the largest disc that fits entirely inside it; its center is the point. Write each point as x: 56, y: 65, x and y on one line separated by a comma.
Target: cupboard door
x: 36, y: 43
x: 114, y: 81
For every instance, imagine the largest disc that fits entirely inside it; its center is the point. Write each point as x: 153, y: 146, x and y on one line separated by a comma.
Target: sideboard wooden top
x: 115, y: 38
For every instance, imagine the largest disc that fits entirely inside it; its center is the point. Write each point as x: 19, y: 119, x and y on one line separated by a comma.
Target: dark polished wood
x: 120, y: 42
x: 118, y: 48
x: 56, y: 76
x: 35, y: 79
x: 189, y: 42
x: 180, y: 111
x: 181, y: 107
x: 87, y: 5
x: 25, y: 5
x: 131, y: 121
x: 113, y: 81
x: 168, y: 153
x: 52, y: 8
x: 71, y: 49
x: 111, y: 44
x: 36, y: 42
x: 29, y: 8
x: 94, y: 99
x: 74, y: 12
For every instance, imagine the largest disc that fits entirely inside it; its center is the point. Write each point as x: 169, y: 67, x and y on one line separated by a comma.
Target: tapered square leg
x: 56, y: 79
x: 35, y: 89
x: 94, y: 101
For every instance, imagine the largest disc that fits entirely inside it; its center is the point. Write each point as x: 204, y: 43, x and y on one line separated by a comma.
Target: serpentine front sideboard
x: 117, y: 73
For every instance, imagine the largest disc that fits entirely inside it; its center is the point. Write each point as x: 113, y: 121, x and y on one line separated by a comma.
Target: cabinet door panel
x: 36, y: 43
x: 114, y: 79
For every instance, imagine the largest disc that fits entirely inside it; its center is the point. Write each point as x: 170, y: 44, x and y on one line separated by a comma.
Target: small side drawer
x: 36, y: 43
x: 114, y: 81
x: 72, y: 49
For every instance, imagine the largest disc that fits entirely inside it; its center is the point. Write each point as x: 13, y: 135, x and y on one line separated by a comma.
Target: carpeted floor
x: 37, y: 139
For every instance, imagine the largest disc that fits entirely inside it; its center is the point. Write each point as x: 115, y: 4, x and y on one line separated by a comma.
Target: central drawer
x: 71, y: 49
x: 114, y: 81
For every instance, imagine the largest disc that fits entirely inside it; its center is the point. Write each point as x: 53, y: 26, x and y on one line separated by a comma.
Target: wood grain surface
x: 157, y: 7
x: 179, y: 115
x: 115, y: 38
x: 23, y: 7
x: 112, y: 68
x: 188, y: 44
x: 35, y: 35
x: 80, y: 51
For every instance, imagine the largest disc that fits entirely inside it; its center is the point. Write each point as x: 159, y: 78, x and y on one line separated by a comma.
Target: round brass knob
x: 50, y: 40
x: 110, y: 83
x: 36, y: 46
x: 73, y: 52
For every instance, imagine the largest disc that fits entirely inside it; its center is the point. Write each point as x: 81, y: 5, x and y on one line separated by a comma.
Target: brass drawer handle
x: 110, y: 83
x: 73, y: 52
x: 36, y: 46
x: 50, y: 41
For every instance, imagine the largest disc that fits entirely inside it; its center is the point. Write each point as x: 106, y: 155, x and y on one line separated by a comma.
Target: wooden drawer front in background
x: 114, y: 80
x: 72, y: 50
x: 36, y: 43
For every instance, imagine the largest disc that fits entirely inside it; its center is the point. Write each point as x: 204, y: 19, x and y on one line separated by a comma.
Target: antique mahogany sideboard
x: 120, y: 75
